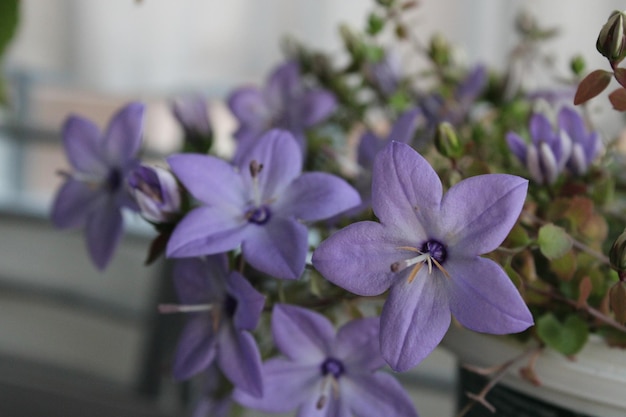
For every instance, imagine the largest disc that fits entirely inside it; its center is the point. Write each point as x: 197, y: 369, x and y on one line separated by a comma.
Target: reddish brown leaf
x: 620, y: 76
x: 584, y: 290
x: 618, y: 99
x: 592, y: 85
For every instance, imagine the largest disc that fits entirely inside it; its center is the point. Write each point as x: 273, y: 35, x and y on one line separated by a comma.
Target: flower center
x: 431, y: 252
x: 230, y: 306
x: 332, y: 366
x: 114, y: 180
x: 259, y: 215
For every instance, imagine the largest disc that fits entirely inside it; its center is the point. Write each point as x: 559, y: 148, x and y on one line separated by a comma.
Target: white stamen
x: 189, y: 308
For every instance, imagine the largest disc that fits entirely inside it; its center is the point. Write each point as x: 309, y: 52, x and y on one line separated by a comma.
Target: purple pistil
x: 332, y: 366
x: 436, y: 250
x: 259, y: 215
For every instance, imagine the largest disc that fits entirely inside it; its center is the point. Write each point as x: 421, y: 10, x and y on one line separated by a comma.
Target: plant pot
x: 593, y: 384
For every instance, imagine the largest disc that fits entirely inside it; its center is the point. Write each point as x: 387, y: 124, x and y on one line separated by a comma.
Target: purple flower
x: 545, y: 157
x: 95, y: 191
x: 284, y: 103
x: 385, y: 74
x: 261, y: 204
x: 192, y: 115
x: 585, y: 145
x: 425, y: 250
x: 225, y: 308
x: 156, y: 192
x: 325, y: 373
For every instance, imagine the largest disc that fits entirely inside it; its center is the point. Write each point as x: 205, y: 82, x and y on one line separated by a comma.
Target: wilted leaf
x: 554, y: 242
x: 567, y: 338
x: 592, y: 85
x: 618, y: 99
x: 584, y: 290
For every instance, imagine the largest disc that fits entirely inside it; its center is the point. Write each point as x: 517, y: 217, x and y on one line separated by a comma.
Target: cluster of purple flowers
x: 424, y: 249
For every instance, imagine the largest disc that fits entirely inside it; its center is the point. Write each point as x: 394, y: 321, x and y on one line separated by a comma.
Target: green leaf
x: 374, y: 24
x: 9, y: 18
x: 554, y: 242
x: 567, y: 338
x: 592, y: 85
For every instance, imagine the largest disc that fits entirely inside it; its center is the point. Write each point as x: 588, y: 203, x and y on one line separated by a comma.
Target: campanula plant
x: 365, y: 209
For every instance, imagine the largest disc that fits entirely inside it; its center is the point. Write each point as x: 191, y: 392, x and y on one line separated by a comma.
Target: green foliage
x: 9, y: 19
x: 566, y: 337
x: 554, y: 242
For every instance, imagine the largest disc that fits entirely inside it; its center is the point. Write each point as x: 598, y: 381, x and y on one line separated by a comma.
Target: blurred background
x: 73, y: 339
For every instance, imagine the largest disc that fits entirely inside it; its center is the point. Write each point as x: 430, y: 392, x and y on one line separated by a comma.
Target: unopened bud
x: 617, y: 254
x: 611, y: 41
x: 439, y: 51
x: 617, y: 301
x: 447, y: 141
x: 577, y: 65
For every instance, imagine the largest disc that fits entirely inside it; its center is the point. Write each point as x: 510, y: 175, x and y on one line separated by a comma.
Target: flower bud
x: 617, y: 254
x: 439, y: 52
x: 191, y: 113
x: 612, y: 41
x: 617, y: 301
x: 156, y: 192
x: 447, y: 141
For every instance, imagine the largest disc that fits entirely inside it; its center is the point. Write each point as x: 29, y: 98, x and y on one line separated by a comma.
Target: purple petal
x: 316, y: 106
x: 541, y: 129
x: 103, y: 232
x: 196, y: 347
x: 192, y: 114
x: 369, y: 146
x: 404, y: 128
x: 376, y: 395
x: 414, y: 319
x: 359, y: 258
x: 206, y: 231
x: 358, y: 344
x: 479, y: 212
x: 250, y: 108
x: 277, y: 248
x: 249, y: 302
x: 200, y: 280
x: 73, y: 203
x: 211, y: 180
x: 239, y: 358
x: 81, y: 139
x: 334, y: 406
x: 286, y: 385
x: 283, y: 84
x: 483, y: 298
x: 405, y: 190
x: 281, y: 158
x: 122, y: 139
x: 570, y: 121
x: 317, y: 195
x: 517, y: 146
x: 302, y: 335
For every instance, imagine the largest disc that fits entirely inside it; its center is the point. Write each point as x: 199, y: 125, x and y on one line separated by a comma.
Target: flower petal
x: 414, y: 319
x: 73, y: 203
x: 122, y: 139
x: 206, y: 231
x: 541, y: 129
x: 239, y: 358
x: 283, y: 84
x: 315, y: 106
x: 103, y: 232
x: 517, y: 146
x: 375, y: 395
x: 359, y: 258
x: 197, y: 347
x: 211, y: 180
x: 404, y: 128
x: 483, y: 298
x: 286, y: 385
x: 478, y: 213
x: 81, y: 140
x: 357, y: 344
x: 405, y: 190
x: 302, y: 335
x: 317, y: 195
x: 281, y: 158
x: 200, y: 280
x: 278, y: 248
x: 250, y: 108
x: 249, y: 301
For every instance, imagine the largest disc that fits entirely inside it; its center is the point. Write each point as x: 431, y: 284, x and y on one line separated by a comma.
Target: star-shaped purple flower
x: 547, y: 154
x: 225, y: 309
x: 425, y: 250
x: 261, y: 204
x: 285, y: 103
x: 327, y: 374
x: 95, y: 191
